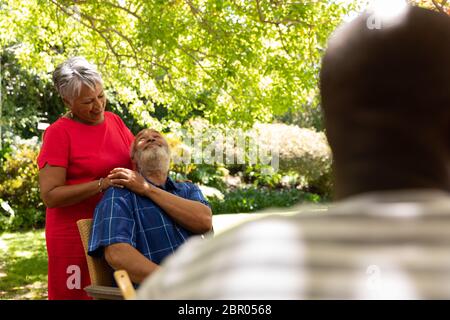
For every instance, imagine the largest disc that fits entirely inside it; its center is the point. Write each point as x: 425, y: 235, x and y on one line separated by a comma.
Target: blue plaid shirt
x: 125, y: 217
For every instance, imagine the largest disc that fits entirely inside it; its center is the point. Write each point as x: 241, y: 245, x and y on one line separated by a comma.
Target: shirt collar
x: 168, y: 185
x: 171, y: 184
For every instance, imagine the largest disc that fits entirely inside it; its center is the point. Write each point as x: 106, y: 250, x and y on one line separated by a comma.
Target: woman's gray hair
x: 72, y: 73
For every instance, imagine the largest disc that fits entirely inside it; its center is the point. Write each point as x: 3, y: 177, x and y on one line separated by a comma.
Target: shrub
x: 19, y: 187
x: 303, y: 154
x: 262, y: 176
x: 253, y: 199
x: 202, y: 174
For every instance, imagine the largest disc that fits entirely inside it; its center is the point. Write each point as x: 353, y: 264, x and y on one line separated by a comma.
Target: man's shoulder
x: 117, y: 193
x: 261, y: 229
x: 116, y: 201
x: 405, y: 203
x: 183, y: 185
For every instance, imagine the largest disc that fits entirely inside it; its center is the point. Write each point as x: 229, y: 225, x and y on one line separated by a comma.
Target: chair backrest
x: 100, y: 272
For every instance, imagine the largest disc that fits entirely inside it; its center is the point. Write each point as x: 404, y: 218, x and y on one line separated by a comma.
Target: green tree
x: 26, y: 99
x: 227, y: 61
x: 438, y: 5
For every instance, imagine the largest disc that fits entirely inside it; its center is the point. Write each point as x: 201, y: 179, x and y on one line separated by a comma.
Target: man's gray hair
x: 72, y: 73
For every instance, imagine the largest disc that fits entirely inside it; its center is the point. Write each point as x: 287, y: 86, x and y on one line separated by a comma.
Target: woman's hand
x: 130, y: 179
x: 106, y: 183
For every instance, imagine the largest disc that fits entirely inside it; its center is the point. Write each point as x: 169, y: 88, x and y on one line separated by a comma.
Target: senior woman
x: 78, y: 152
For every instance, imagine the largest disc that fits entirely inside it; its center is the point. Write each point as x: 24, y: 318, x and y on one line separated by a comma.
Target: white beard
x: 153, y: 159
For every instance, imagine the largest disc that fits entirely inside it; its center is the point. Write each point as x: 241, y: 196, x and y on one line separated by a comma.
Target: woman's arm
x: 55, y: 192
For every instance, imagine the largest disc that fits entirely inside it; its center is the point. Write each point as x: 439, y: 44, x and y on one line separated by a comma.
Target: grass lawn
x: 23, y: 265
x: 23, y: 256
x: 23, y: 260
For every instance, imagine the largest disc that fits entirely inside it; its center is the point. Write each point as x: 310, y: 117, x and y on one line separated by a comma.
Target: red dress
x: 88, y: 152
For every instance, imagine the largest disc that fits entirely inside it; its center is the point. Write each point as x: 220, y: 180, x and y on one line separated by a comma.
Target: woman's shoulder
x: 58, y: 126
x: 116, y: 120
x: 58, y: 132
x: 112, y: 116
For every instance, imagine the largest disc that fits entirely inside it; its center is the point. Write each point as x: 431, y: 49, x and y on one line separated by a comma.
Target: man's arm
x: 113, y: 235
x: 192, y: 215
x: 126, y: 257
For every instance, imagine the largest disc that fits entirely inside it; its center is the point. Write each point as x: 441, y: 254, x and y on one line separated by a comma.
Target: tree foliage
x: 26, y: 99
x: 226, y: 60
x: 438, y: 5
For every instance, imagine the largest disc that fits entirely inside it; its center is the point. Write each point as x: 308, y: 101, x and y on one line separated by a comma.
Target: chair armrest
x: 125, y: 284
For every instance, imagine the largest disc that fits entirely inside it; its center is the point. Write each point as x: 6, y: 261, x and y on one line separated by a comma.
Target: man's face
x: 150, y: 139
x: 151, y: 151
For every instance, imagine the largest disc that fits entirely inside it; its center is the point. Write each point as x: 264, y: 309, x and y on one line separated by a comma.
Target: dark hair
x: 386, y: 101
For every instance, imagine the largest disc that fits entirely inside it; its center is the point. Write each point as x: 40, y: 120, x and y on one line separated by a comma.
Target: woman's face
x: 89, y: 107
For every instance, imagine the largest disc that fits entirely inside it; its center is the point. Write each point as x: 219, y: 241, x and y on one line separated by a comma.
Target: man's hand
x: 130, y: 179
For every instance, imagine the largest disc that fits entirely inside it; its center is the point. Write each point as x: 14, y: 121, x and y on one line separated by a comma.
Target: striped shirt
x: 125, y: 217
x: 392, y: 245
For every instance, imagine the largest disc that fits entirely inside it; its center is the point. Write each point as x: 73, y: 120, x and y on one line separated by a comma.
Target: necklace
x: 68, y: 115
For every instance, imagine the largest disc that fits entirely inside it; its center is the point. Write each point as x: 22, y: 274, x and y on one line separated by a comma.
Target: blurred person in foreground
x: 386, y: 100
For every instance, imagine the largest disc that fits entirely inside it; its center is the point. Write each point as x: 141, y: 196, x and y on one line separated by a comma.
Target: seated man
x: 386, y: 100
x: 137, y: 229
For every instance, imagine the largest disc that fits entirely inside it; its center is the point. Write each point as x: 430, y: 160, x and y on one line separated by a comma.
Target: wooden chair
x: 125, y: 284
x: 101, y: 274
